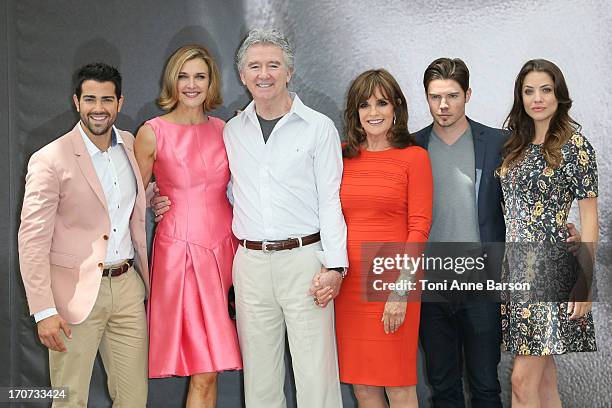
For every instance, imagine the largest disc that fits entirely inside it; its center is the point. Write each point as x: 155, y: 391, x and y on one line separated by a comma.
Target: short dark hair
x: 448, y: 68
x: 99, y: 72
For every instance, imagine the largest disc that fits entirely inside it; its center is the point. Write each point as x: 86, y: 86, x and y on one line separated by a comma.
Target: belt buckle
x: 264, y: 243
x: 299, y: 240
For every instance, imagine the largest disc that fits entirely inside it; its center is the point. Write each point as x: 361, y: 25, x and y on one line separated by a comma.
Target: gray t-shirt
x: 455, y: 210
x: 267, y: 126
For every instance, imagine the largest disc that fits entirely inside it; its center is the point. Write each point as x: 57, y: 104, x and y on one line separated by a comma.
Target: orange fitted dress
x: 386, y: 197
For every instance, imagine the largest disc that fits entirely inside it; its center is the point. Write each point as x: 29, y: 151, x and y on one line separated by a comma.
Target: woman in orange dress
x: 386, y: 196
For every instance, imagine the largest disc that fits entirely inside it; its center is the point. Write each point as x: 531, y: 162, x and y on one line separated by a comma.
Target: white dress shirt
x: 289, y: 186
x: 119, y: 185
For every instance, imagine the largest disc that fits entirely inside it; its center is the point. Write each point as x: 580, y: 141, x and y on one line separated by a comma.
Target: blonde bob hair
x: 168, y: 98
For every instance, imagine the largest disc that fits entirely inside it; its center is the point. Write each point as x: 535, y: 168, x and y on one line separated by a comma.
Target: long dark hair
x: 561, y: 128
x: 361, y: 89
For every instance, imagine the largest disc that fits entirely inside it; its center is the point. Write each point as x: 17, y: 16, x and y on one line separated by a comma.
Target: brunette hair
x: 448, y: 68
x: 361, y: 89
x: 168, y: 98
x: 561, y: 127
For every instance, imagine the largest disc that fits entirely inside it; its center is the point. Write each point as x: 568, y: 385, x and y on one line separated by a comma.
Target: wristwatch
x: 341, y: 270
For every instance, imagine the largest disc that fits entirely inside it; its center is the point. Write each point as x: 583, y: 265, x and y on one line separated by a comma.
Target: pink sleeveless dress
x: 190, y: 330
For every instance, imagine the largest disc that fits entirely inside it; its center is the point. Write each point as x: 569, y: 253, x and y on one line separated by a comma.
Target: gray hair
x: 262, y: 36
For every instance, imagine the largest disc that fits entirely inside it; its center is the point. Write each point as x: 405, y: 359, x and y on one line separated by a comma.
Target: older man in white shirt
x: 286, y: 166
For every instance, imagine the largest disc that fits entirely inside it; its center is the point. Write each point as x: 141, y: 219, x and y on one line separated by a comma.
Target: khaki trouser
x: 117, y: 327
x: 271, y: 297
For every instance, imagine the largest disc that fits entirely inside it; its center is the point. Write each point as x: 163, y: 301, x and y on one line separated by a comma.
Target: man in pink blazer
x: 82, y: 248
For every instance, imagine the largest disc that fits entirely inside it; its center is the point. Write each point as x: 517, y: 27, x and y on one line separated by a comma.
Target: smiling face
x: 265, y: 73
x: 446, y: 101
x: 376, y: 115
x: 192, y: 83
x: 539, y: 100
x: 98, y: 107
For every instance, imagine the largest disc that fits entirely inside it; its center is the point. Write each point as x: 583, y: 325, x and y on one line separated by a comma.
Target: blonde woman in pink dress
x: 190, y: 331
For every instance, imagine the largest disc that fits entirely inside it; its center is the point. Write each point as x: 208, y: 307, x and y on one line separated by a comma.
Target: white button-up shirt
x: 289, y: 186
x: 119, y: 185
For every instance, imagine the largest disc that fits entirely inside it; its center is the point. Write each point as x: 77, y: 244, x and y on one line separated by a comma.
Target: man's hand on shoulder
x: 49, y: 332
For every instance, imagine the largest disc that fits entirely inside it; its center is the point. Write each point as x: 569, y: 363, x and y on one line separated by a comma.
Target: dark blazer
x: 488, y: 144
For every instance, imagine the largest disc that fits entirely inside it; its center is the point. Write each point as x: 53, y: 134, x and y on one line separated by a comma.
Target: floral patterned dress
x: 538, y: 199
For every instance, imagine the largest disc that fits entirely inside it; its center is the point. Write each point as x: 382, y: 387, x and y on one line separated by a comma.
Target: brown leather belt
x: 118, y: 270
x: 267, y: 246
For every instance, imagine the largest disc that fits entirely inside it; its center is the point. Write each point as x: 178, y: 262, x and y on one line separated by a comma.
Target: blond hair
x: 168, y: 97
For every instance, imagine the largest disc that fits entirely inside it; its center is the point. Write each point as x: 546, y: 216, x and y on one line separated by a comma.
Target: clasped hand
x: 325, y: 286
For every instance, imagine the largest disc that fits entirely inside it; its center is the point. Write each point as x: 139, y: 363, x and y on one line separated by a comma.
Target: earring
x: 394, y: 118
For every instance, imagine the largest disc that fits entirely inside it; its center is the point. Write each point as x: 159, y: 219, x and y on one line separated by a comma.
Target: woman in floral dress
x: 547, y: 164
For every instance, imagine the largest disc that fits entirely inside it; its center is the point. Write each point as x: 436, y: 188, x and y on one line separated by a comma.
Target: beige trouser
x: 271, y: 297
x: 117, y: 327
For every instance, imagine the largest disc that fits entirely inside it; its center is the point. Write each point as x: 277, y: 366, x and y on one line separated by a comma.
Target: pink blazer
x: 65, y: 227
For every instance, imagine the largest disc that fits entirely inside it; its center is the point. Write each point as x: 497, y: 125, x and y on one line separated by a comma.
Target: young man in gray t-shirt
x: 466, y: 209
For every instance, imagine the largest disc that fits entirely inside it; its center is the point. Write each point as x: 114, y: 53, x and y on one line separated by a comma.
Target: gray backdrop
x: 45, y: 41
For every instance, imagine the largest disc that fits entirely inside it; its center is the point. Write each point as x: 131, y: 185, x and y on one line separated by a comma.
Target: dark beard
x: 95, y: 130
